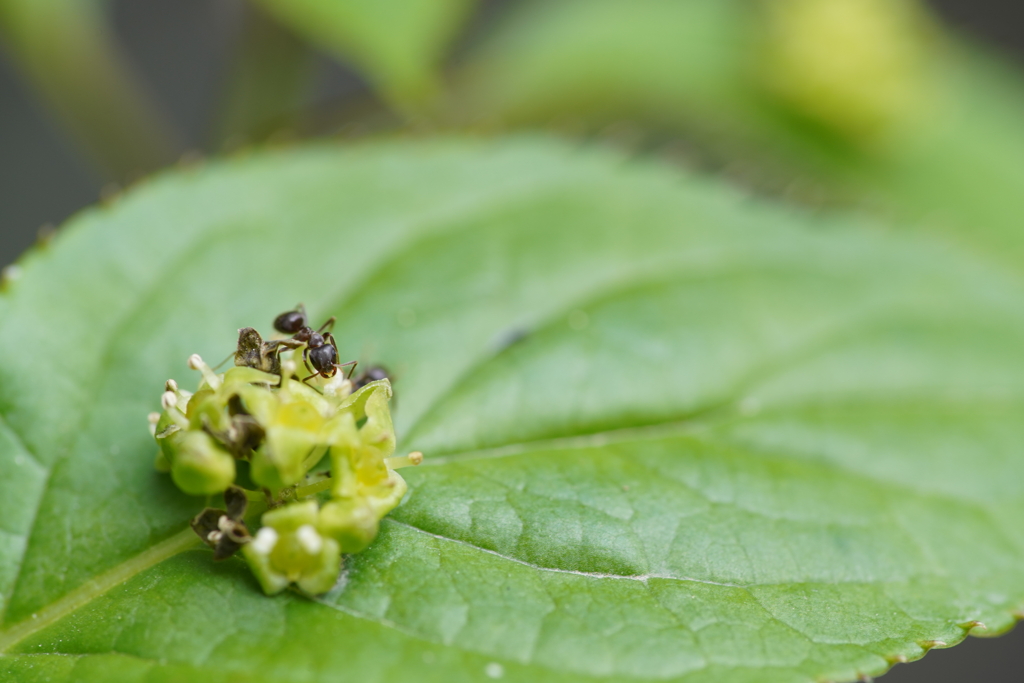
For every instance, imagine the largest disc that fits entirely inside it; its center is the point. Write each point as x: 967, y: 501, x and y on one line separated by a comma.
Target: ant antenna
x: 218, y: 365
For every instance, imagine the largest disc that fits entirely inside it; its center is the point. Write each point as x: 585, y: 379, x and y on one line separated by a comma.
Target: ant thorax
x: 319, y: 349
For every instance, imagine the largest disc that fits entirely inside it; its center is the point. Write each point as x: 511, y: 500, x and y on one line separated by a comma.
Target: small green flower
x: 293, y: 424
x: 364, y: 486
x: 199, y: 435
x: 201, y: 466
x: 289, y: 548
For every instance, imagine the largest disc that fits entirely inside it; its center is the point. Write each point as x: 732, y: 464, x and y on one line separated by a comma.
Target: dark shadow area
x: 43, y: 178
x: 997, y: 22
x: 976, y: 660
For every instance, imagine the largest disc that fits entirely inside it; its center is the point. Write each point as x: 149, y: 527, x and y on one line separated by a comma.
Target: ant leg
x: 280, y: 366
x: 329, y: 338
x: 336, y: 366
x: 329, y: 325
x: 306, y: 379
x: 280, y: 369
x: 273, y: 349
x: 337, y: 358
x: 305, y: 359
x: 285, y: 343
x: 278, y: 346
x: 351, y: 365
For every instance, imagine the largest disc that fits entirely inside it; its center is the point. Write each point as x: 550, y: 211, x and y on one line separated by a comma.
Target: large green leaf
x: 399, y: 44
x: 671, y: 433
x: 692, y: 67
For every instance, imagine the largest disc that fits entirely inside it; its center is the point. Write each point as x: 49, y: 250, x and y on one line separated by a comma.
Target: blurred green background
x: 203, y: 77
x: 184, y: 55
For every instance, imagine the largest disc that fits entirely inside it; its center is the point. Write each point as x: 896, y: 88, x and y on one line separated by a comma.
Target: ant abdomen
x: 291, y: 322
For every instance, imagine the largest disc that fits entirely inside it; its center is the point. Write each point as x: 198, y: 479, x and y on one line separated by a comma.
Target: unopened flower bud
x: 200, y: 467
x: 195, y: 362
x: 414, y: 458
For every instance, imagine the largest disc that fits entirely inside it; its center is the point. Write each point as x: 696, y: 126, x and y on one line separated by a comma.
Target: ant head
x: 291, y: 322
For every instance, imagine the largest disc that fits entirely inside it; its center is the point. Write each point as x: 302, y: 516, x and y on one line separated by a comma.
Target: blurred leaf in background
x: 398, y: 44
x: 268, y: 81
x: 65, y: 50
x: 791, y: 91
x: 863, y: 68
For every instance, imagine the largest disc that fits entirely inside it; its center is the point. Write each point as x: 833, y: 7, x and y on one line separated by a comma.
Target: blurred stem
x: 271, y: 74
x: 313, y: 489
x: 65, y: 50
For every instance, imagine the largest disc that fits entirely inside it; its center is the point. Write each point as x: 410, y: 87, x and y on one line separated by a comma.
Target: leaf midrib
x: 89, y: 591
x: 102, y: 367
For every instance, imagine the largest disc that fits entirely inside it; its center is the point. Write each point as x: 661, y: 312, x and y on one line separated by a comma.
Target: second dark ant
x: 372, y: 375
x: 321, y: 352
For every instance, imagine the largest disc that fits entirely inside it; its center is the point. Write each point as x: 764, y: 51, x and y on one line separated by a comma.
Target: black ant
x: 372, y: 375
x: 321, y: 352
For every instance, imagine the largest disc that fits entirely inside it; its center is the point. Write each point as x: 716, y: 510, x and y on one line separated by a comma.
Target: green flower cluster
x: 283, y: 428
